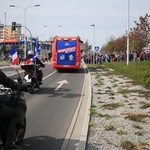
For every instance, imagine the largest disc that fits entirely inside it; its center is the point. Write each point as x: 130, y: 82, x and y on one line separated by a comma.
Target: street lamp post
x: 5, y: 20
x: 128, y: 26
x: 24, y: 9
x: 93, y: 25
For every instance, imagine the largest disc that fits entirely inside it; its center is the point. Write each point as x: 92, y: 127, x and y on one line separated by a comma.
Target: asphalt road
x: 51, y: 109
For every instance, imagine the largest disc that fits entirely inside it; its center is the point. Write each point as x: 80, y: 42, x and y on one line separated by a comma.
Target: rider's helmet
x: 30, y: 53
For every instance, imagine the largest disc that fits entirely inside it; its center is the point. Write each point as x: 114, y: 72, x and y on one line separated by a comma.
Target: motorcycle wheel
x: 32, y: 88
x: 20, y: 132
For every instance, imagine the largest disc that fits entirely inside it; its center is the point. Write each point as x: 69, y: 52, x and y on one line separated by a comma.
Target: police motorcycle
x: 31, y: 76
x: 15, y: 99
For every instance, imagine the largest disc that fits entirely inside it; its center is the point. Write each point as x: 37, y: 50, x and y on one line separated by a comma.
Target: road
x: 51, y: 109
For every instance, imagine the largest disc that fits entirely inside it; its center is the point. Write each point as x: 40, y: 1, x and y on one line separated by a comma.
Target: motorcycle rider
x: 8, y: 112
x: 36, y: 61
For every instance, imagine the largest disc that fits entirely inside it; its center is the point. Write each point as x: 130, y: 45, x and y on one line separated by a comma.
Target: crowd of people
x: 98, y: 57
x: 46, y: 57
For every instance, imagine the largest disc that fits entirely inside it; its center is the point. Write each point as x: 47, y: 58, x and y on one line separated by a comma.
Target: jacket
x: 37, y: 61
x: 8, y: 82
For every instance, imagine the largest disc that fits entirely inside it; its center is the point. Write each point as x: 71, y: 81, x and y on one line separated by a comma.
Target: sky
x: 75, y: 17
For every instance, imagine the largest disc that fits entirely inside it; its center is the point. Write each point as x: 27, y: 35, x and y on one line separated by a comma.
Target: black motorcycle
x: 15, y: 99
x: 31, y: 76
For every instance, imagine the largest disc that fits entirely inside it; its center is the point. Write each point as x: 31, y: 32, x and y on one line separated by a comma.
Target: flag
x: 29, y: 61
x: 33, y: 59
x: 37, y: 50
x: 14, y: 56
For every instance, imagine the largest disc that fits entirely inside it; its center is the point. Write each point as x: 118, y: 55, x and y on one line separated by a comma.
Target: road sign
x: 97, y: 48
x: 22, y: 38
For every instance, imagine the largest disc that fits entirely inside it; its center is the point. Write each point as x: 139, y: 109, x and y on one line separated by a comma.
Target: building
x: 7, y: 35
x: 8, y: 38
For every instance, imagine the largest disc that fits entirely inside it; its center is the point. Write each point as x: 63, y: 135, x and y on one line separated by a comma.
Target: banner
x: 66, y: 52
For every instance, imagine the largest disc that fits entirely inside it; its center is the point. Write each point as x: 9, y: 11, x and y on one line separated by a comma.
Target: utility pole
x: 128, y: 27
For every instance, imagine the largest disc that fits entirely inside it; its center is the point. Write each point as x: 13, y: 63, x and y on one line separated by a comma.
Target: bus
x: 66, y: 53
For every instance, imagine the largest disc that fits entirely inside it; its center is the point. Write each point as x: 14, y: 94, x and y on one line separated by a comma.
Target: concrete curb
x: 84, y: 132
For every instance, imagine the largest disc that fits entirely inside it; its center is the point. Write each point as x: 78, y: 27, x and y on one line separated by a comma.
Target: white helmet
x: 30, y: 52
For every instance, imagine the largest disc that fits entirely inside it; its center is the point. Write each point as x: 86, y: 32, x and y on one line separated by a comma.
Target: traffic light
x: 13, y: 26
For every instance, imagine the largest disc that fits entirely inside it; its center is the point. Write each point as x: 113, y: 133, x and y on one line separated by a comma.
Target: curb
x: 84, y: 132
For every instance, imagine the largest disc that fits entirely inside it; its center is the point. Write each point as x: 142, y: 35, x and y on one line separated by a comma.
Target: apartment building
x: 8, y: 38
x: 7, y: 35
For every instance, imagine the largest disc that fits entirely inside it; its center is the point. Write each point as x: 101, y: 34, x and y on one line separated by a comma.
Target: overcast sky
x: 75, y: 17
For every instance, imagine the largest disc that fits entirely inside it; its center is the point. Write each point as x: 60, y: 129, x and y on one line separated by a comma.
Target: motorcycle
x: 31, y: 76
x: 15, y: 99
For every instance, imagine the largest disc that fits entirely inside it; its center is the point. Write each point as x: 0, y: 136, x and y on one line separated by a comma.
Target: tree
x: 140, y: 35
x: 110, y: 46
x: 86, y: 46
x: 121, y: 44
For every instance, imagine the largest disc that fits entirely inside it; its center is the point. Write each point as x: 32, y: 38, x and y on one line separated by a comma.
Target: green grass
x: 121, y: 132
x: 92, y: 110
x: 136, y: 118
x: 146, y: 105
x: 138, y: 71
x: 110, y: 128
x: 111, y: 106
x: 136, y: 126
x: 90, y: 124
x: 126, y: 91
